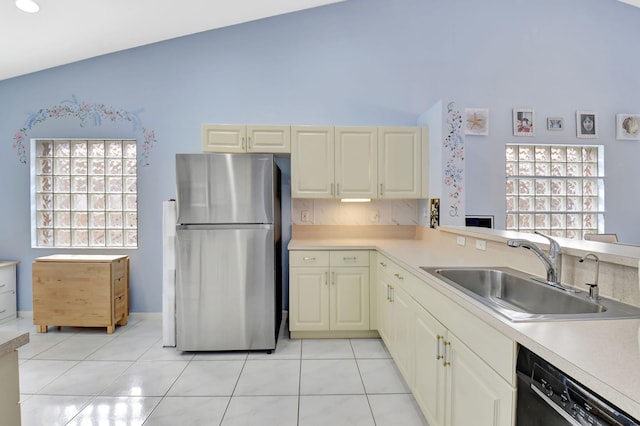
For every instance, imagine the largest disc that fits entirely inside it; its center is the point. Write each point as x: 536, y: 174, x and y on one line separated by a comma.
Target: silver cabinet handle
x: 384, y: 265
x: 393, y: 298
x: 398, y: 276
x: 3, y: 285
x: 447, y: 349
x: 332, y: 189
x: 242, y: 142
x: 326, y: 278
x: 3, y: 311
x: 438, y: 354
x: 388, y: 292
x: 351, y: 258
x: 381, y: 191
x: 249, y: 142
x: 337, y: 189
x: 308, y: 258
x: 333, y: 278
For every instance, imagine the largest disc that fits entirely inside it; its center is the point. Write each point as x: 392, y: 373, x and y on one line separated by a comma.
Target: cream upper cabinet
x: 399, y: 162
x: 329, y: 290
x: 231, y: 138
x: 312, y: 162
x: 356, y: 162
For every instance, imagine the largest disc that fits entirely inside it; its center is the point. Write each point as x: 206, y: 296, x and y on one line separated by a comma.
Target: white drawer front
x: 349, y: 258
x: 8, y: 305
x: 308, y: 258
x: 7, y: 279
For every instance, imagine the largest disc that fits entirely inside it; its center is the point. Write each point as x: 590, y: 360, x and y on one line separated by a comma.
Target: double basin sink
x: 520, y: 297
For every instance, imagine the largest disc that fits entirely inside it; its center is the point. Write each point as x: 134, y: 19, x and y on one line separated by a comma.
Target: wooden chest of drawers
x: 80, y: 291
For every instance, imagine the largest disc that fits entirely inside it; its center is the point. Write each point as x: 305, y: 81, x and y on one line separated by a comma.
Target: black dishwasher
x: 548, y: 397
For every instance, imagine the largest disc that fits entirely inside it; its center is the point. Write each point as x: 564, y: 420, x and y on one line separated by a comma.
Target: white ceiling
x: 66, y: 31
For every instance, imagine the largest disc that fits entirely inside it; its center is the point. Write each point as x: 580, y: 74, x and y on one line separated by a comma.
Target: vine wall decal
x: 454, y: 168
x: 92, y: 114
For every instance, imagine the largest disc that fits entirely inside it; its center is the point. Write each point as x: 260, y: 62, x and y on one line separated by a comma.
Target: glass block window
x: 555, y: 189
x: 84, y: 194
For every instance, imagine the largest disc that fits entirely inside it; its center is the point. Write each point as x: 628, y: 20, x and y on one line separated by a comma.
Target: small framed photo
x: 628, y: 127
x: 555, y: 123
x: 523, y: 122
x: 586, y: 124
x: 476, y: 121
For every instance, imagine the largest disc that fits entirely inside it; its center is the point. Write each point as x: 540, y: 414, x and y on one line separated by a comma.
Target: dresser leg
x: 42, y: 328
x: 111, y: 329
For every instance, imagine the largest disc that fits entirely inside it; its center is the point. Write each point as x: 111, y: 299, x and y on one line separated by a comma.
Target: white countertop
x: 80, y: 258
x: 602, y: 355
x: 10, y: 341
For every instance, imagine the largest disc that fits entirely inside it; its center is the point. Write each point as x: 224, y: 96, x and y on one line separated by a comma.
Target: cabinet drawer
x: 349, y: 258
x: 7, y: 305
x: 7, y: 279
x: 309, y: 258
x: 119, y: 286
x: 120, y: 303
x: 118, y: 268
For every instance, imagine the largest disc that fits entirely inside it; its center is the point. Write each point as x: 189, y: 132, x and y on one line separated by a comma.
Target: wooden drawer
x: 7, y: 279
x: 118, y: 268
x: 349, y: 258
x: 308, y: 258
x: 120, y: 303
x: 8, y: 305
x: 119, y: 286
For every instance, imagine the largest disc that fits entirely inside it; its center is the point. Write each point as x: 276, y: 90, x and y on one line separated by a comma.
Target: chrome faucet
x: 553, y: 261
x: 593, y: 288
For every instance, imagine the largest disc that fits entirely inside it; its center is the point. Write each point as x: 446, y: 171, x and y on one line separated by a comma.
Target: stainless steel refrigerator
x: 228, y: 260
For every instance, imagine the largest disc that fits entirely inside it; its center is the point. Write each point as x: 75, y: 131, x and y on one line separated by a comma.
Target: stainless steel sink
x: 520, y: 297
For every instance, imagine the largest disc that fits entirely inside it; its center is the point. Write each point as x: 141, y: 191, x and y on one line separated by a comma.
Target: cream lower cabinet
x: 329, y: 291
x: 452, y: 384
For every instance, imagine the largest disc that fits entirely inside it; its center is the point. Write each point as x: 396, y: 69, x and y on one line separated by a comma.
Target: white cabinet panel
x: 312, y: 162
x: 356, y: 162
x: 231, y: 138
x: 399, y: 158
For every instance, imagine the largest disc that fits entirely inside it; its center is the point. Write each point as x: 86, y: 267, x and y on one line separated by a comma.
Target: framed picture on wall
x: 555, y: 123
x: 523, y: 122
x: 628, y: 127
x: 476, y: 121
x: 586, y: 124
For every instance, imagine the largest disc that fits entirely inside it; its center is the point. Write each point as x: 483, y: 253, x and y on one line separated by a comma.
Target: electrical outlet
x: 375, y: 216
x: 481, y: 244
x: 461, y: 241
x: 305, y: 215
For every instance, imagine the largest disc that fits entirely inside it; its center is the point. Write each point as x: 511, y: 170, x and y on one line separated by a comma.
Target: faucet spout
x: 552, y: 262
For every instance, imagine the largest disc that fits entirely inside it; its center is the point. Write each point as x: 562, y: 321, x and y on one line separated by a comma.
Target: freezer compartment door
x: 225, y: 188
x: 225, y: 288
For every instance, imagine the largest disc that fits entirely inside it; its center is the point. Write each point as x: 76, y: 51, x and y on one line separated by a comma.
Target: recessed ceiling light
x: 28, y: 6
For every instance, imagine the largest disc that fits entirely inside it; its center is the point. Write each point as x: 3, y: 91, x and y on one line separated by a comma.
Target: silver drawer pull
x: 352, y: 258
x: 398, y: 276
x: 3, y: 311
x: 384, y: 265
x: 2, y: 285
x: 308, y: 258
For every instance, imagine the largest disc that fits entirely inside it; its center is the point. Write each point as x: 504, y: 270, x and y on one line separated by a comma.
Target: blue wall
x: 361, y: 62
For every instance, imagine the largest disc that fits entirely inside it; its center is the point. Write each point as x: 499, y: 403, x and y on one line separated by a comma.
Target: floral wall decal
x: 454, y: 167
x: 89, y: 114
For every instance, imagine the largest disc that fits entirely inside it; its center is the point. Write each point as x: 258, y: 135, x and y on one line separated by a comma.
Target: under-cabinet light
x: 28, y: 6
x: 356, y: 200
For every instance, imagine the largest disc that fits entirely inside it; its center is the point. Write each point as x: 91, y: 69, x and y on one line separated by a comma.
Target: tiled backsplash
x: 334, y: 212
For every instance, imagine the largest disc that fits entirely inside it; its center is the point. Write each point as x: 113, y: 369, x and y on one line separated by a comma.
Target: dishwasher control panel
x: 575, y: 403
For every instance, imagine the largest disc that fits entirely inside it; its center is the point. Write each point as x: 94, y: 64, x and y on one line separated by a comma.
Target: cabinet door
x: 269, y: 139
x: 349, y: 299
x: 428, y: 370
x: 312, y: 163
x: 401, y: 313
x: 356, y: 162
x: 399, y: 158
x: 475, y: 393
x: 223, y: 138
x: 384, y: 308
x: 309, y: 299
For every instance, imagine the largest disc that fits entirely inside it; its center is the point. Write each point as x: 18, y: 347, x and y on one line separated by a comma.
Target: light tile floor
x: 83, y: 376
